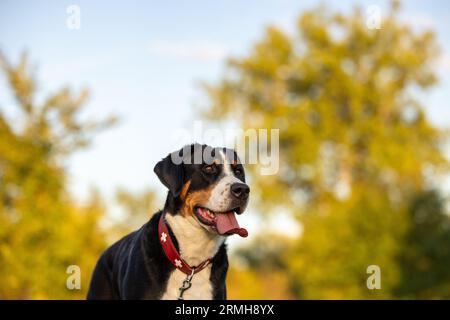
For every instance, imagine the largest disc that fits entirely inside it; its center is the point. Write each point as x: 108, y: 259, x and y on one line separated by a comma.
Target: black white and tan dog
x: 181, y: 252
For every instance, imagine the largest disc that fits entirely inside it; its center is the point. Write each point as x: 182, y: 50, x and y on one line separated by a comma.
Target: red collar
x: 172, y: 253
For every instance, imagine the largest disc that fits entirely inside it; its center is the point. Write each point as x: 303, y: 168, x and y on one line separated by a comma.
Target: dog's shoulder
x: 114, y: 262
x: 147, y: 268
x: 136, y: 263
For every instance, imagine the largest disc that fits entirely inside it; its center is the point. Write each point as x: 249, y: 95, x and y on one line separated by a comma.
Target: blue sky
x: 143, y: 61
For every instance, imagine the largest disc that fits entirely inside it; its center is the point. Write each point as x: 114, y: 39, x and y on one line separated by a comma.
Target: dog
x: 181, y: 252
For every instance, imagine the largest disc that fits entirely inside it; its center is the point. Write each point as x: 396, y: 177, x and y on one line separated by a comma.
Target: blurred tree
x: 425, y: 257
x: 342, y: 239
x: 261, y: 274
x: 137, y: 207
x: 254, y: 284
x: 355, y: 145
x: 42, y: 229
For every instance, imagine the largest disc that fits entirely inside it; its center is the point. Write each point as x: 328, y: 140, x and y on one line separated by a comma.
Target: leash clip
x: 187, y: 283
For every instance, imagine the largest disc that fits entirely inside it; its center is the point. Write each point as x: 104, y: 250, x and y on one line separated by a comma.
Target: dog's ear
x: 170, y: 174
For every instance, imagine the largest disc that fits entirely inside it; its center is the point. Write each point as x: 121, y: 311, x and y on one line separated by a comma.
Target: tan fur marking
x: 195, y: 198
x: 185, y: 189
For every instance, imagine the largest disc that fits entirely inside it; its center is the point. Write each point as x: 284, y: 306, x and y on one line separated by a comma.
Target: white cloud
x: 418, y: 19
x: 444, y: 62
x: 197, y: 50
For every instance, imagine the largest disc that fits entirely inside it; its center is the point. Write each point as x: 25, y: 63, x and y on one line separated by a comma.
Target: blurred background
x: 90, y: 92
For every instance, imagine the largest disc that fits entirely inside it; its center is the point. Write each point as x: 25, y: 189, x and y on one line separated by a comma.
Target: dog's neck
x: 196, y: 244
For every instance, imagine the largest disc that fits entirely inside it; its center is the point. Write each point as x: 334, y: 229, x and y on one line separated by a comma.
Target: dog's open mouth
x: 224, y: 223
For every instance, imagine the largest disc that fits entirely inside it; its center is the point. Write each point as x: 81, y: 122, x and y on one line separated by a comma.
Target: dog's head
x: 207, y: 183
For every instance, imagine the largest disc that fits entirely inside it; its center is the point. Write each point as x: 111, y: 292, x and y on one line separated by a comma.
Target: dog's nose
x: 240, y: 190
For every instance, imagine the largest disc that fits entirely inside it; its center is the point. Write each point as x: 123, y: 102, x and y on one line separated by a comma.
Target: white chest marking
x: 196, y: 245
x: 201, y: 288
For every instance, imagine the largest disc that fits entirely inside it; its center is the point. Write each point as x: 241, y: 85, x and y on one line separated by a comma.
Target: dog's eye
x: 209, y: 169
x: 237, y: 171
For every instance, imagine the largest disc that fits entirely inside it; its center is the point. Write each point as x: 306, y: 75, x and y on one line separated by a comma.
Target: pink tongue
x: 226, y: 223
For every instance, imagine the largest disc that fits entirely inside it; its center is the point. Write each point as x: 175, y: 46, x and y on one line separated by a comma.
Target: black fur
x: 136, y: 267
